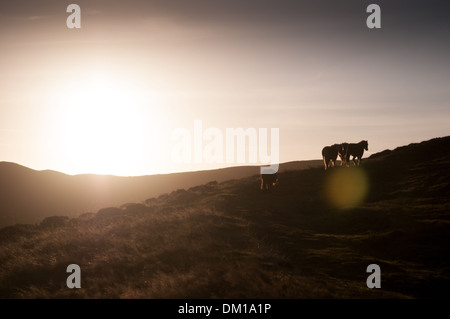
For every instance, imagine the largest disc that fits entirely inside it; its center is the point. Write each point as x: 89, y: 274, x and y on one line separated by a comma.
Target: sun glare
x: 101, y: 127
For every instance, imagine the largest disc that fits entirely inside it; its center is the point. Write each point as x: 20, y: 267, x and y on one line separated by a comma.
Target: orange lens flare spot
x: 346, y: 187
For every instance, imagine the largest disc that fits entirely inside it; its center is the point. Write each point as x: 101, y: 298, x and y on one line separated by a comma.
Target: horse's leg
x: 342, y: 160
x: 352, y: 160
x: 325, y: 163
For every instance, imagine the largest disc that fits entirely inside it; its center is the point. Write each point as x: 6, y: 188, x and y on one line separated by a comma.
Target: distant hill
x: 308, y: 238
x: 28, y: 196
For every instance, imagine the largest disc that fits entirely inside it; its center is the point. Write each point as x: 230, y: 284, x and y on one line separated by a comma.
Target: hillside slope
x: 230, y: 240
x: 28, y: 196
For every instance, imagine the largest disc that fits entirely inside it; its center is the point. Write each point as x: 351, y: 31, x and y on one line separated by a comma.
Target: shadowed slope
x: 229, y: 240
x: 28, y: 196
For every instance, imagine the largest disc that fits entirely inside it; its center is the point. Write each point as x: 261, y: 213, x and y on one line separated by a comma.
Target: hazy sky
x: 106, y: 98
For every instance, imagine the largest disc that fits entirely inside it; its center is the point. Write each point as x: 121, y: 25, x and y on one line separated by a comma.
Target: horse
x: 268, y: 181
x: 355, y: 150
x: 342, y: 154
x: 330, y: 154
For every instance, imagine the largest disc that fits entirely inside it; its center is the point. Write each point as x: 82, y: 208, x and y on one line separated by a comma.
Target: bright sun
x: 102, y: 127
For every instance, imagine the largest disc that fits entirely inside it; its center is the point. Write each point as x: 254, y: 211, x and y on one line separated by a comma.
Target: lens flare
x: 346, y: 187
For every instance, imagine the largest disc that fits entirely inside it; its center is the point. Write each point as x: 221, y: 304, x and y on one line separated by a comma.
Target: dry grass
x: 229, y: 240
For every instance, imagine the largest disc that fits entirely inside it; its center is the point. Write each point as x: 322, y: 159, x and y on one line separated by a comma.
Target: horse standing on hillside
x: 355, y: 150
x: 268, y: 181
x: 330, y: 154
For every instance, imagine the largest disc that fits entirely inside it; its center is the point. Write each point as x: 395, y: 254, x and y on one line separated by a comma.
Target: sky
x: 110, y: 97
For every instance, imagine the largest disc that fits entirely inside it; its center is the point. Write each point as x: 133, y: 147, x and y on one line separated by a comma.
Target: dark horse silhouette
x: 330, y: 154
x: 354, y: 150
x: 268, y: 181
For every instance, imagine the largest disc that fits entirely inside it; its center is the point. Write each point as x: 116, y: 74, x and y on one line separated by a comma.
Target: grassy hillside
x: 312, y: 237
x: 28, y: 196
